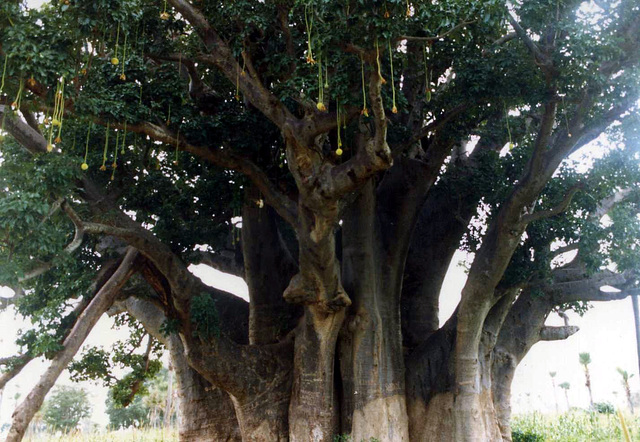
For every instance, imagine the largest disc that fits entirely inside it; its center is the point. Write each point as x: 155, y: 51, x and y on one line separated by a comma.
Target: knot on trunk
x: 309, y: 290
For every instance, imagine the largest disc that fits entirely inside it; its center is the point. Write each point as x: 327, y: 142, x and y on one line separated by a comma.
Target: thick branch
x: 549, y: 333
x: 542, y: 214
x: 225, y: 261
x: 225, y: 157
x: 221, y: 56
x: 24, y: 134
x: 429, y: 128
x: 437, y: 37
x: 541, y: 59
x: 17, y: 364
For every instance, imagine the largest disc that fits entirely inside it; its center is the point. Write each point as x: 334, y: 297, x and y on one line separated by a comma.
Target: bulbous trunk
x: 371, y: 360
x: 206, y: 413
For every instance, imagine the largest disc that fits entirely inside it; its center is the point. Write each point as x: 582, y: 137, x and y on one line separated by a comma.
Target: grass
x: 130, y: 435
x: 575, y: 426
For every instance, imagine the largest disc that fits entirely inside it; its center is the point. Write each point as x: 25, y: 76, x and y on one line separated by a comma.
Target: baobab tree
x: 361, y: 144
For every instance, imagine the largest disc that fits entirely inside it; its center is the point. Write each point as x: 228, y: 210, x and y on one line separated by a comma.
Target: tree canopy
x: 65, y: 408
x: 334, y: 154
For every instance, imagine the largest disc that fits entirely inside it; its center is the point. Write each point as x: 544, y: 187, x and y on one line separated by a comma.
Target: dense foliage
x: 65, y: 408
x: 334, y: 154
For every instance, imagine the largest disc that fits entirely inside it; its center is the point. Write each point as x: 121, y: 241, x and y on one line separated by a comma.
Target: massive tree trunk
x: 206, y: 413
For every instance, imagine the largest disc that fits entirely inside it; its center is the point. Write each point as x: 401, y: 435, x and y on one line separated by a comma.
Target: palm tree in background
x: 585, y: 360
x: 553, y: 382
x: 566, y: 386
x: 625, y: 383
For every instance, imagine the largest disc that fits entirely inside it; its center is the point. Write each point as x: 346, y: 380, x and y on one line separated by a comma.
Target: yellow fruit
x: 103, y: 167
x: 83, y: 71
x: 49, y: 147
x: 58, y: 140
x: 84, y: 166
x: 164, y: 15
x: 115, y: 61
x: 56, y: 122
x: 123, y: 77
x: 394, y: 110
x: 338, y: 151
x: 321, y: 107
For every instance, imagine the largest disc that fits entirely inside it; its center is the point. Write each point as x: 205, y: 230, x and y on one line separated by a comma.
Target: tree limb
x: 224, y: 157
x: 540, y: 57
x: 221, y: 56
x: 542, y: 214
x: 437, y: 37
x: 550, y: 333
x: 224, y: 261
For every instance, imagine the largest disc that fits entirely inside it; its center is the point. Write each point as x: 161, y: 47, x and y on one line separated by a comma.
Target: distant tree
x: 553, y: 382
x: 585, y: 360
x: 136, y: 414
x: 66, y: 407
x: 625, y: 383
x: 566, y: 386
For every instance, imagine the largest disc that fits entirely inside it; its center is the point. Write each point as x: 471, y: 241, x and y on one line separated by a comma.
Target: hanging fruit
x: 106, y: 145
x: 382, y: 80
x: 309, y: 24
x: 427, y: 78
x: 339, y: 149
x: 114, y: 59
x: 164, y: 15
x: 321, y: 106
x: 364, y: 110
x: 394, y: 109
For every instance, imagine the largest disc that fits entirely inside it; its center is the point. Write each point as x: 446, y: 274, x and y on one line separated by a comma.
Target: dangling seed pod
x: 114, y: 165
x: 106, y: 146
x: 58, y: 111
x: 339, y: 149
x: 84, y: 165
x: 164, y: 15
x: 427, y: 79
x: 506, y: 118
x: 321, y: 106
x: 309, y: 25
x: 124, y: 139
x: 394, y: 109
x: 566, y: 120
x: 114, y: 59
x: 123, y: 76
x: 175, y: 159
x: 4, y: 72
x: 15, y: 105
x: 364, y: 110
x: 382, y: 80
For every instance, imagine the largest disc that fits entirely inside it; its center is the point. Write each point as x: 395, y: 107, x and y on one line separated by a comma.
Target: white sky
x: 607, y: 332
